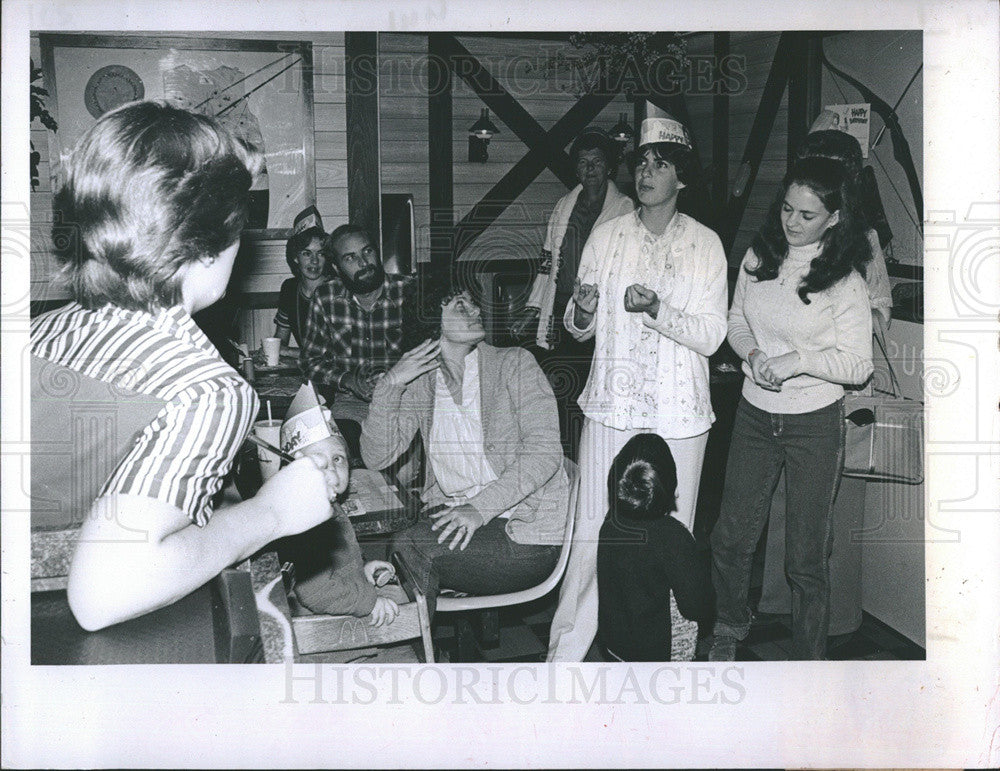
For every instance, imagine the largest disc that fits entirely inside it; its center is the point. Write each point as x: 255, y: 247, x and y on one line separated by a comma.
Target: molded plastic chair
x: 490, y: 603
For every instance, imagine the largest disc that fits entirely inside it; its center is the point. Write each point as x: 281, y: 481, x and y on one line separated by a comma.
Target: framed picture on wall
x: 261, y: 89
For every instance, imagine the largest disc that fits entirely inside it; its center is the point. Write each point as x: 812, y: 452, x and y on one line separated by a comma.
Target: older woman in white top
x: 596, y: 200
x: 652, y: 290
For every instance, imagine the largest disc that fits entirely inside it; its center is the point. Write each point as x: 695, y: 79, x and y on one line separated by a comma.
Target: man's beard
x: 369, y: 282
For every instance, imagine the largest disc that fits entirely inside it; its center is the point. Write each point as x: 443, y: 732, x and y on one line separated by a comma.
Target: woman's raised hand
x: 585, y: 296
x: 414, y: 363
x: 639, y: 299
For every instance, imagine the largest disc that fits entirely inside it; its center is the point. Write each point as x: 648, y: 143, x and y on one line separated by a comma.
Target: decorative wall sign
x: 111, y: 87
x: 855, y: 119
x: 260, y: 89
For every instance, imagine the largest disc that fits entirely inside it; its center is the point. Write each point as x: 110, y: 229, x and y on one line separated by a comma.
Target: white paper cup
x: 272, y: 351
x: 270, y: 432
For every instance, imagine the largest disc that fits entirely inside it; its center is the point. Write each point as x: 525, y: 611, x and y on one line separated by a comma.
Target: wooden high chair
x: 321, y: 633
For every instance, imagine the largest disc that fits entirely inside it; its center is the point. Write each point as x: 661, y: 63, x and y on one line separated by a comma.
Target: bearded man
x: 354, y: 328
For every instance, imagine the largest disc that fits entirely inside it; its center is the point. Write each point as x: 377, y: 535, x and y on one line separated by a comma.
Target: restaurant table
x: 277, y: 385
x: 388, y: 506
x: 224, y: 621
x: 395, y: 510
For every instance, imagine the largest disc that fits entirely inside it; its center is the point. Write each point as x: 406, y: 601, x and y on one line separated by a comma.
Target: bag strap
x: 893, y: 380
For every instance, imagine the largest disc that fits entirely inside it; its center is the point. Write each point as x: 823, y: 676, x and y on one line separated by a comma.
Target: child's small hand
x: 384, y: 612
x: 379, y: 572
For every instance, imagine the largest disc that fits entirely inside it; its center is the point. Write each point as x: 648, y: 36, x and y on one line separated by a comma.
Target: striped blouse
x: 181, y: 456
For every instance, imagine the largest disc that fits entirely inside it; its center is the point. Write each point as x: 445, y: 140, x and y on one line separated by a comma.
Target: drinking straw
x: 268, y: 446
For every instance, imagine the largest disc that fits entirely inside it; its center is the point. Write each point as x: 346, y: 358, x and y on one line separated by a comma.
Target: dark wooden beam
x: 507, y: 109
x: 760, y: 132
x: 804, y: 81
x: 720, y: 130
x: 814, y: 77
x: 363, y: 182
x: 515, y: 181
x: 441, y: 163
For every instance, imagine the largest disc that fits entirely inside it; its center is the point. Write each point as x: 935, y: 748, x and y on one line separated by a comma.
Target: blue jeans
x: 810, y: 447
x: 492, y: 563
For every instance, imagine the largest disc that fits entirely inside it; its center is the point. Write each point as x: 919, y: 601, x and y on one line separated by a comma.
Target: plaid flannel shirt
x: 340, y: 336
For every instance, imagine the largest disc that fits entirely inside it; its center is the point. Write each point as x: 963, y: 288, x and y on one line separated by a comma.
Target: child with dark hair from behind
x: 644, y: 553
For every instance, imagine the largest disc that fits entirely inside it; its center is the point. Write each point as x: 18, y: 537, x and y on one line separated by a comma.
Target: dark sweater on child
x: 329, y: 568
x: 638, y: 563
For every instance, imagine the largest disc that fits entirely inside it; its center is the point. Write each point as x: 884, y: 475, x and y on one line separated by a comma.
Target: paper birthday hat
x: 663, y: 130
x: 826, y: 121
x: 305, y: 422
x: 305, y: 219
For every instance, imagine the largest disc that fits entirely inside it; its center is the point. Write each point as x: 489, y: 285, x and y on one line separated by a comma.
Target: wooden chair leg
x: 425, y: 629
x: 487, y: 628
x: 466, y: 650
x: 417, y: 596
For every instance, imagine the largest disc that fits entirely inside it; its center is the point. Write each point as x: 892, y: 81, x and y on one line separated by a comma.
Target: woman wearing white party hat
x: 651, y: 291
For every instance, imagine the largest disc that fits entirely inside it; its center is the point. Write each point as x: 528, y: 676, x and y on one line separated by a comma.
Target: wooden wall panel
x: 519, y: 67
x: 403, y: 132
x: 330, y: 116
x: 330, y: 112
x: 331, y: 146
x: 757, y: 50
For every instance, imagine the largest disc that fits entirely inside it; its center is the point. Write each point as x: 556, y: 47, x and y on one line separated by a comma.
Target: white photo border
x: 943, y: 711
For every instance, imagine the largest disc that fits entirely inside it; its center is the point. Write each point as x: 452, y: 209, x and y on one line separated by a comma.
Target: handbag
x: 885, y: 433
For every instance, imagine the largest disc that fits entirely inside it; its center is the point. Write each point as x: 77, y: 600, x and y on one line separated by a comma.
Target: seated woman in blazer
x: 495, y: 490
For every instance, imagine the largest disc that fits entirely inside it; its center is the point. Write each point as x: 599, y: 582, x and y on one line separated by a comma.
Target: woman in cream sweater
x: 651, y: 292
x: 800, y: 320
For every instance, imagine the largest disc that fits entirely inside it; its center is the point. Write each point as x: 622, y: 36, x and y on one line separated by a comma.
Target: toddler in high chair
x: 331, y: 575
